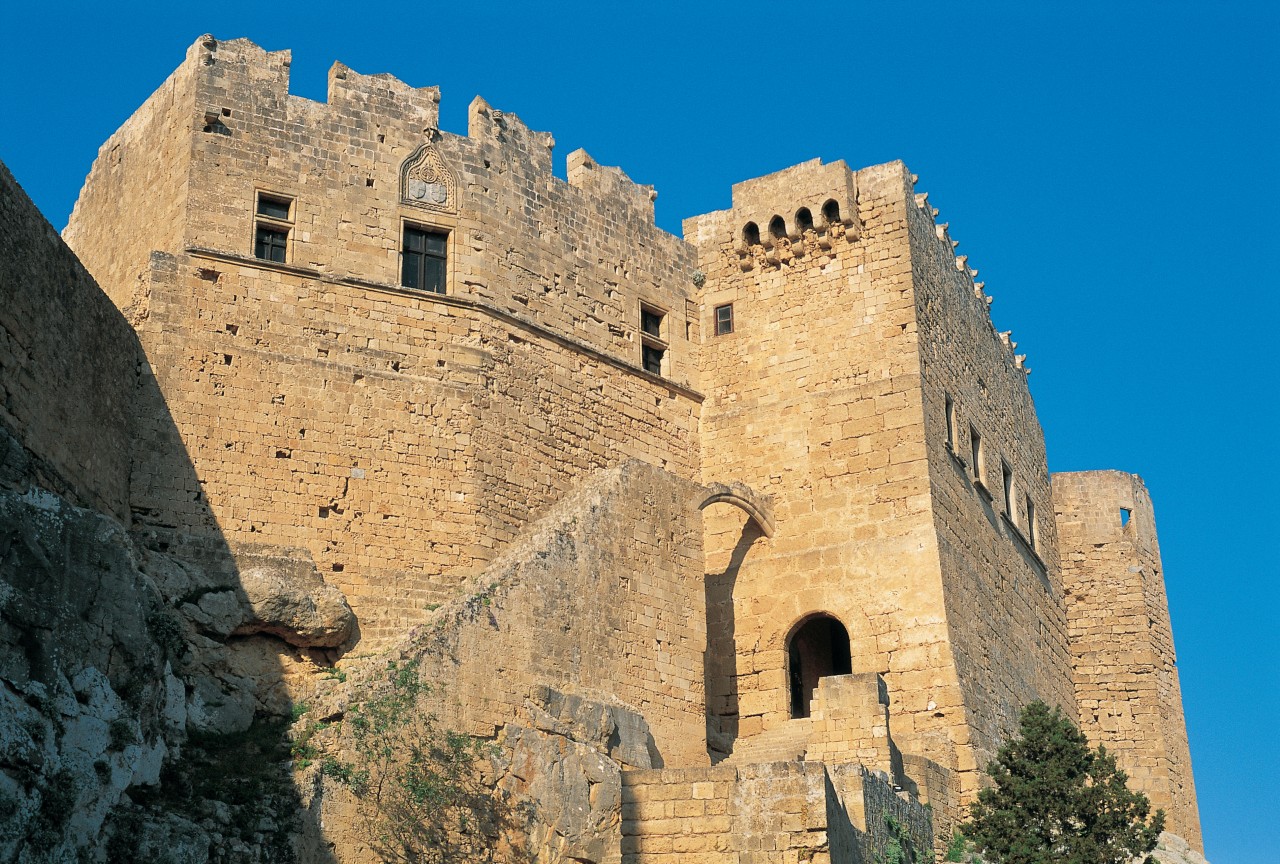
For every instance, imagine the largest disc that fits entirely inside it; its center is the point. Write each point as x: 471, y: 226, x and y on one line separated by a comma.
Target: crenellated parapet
x: 982, y: 301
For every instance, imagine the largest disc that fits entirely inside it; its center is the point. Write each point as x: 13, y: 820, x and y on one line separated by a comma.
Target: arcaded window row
x: 803, y: 222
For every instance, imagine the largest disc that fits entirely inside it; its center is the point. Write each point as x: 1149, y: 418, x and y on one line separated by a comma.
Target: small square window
x: 651, y: 321
x: 423, y: 257
x: 270, y: 243
x: 724, y: 319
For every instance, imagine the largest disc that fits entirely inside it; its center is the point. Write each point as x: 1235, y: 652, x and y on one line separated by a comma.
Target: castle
x: 774, y: 494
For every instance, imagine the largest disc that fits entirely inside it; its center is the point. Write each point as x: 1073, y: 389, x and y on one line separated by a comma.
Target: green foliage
x: 898, y: 847
x: 122, y: 734
x: 957, y: 849
x: 1055, y: 801
x: 418, y: 785
x: 166, y: 631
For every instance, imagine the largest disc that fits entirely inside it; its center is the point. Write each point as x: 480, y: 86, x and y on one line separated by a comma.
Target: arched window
x: 819, y: 647
x: 804, y: 220
x: 831, y: 211
x: 777, y: 227
x: 751, y: 234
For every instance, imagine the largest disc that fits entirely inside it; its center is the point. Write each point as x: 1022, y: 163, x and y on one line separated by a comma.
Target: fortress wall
x: 369, y: 427
x: 1004, y: 607
x: 1123, y: 660
x: 135, y: 198
x: 814, y: 400
x: 66, y: 400
x: 577, y: 257
x: 402, y: 437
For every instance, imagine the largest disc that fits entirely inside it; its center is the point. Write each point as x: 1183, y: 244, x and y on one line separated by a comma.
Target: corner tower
x: 1122, y: 659
x: 852, y: 373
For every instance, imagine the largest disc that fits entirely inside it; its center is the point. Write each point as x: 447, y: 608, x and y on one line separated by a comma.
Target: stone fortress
x: 771, y: 499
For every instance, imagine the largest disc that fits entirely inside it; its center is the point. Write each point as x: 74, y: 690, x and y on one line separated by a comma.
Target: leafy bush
x: 418, y: 785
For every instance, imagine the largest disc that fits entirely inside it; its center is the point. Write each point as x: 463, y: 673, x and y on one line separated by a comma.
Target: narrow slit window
x: 724, y: 319
x: 951, y: 423
x: 975, y: 451
x: 1006, y: 477
x: 423, y: 256
x: 1032, y: 538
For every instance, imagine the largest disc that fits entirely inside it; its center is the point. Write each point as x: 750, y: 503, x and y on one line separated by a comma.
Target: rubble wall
x: 1123, y: 661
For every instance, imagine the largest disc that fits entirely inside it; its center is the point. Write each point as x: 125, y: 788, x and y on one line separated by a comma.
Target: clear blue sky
x: 1110, y: 168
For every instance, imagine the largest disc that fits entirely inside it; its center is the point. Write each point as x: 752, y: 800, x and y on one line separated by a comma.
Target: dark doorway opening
x: 818, y: 648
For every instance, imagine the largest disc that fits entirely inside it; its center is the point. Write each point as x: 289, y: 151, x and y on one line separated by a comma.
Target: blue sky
x: 1110, y: 168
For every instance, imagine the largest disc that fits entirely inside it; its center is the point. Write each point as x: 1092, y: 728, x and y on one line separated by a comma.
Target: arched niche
x: 804, y: 220
x: 751, y: 234
x: 817, y: 647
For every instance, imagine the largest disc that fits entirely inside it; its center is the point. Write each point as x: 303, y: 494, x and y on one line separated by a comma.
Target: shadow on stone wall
x: 720, y: 663
x: 144, y: 701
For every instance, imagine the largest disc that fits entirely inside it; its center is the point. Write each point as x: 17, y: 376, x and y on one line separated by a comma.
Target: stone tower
x: 862, y: 386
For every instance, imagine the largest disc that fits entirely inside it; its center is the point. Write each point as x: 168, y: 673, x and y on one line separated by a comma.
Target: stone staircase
x: 786, y: 743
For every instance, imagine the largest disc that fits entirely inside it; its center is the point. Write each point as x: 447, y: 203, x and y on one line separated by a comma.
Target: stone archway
x: 817, y: 647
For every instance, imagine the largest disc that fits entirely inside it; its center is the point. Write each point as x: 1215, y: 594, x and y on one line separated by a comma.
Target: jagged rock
x: 288, y: 598
x: 1174, y: 850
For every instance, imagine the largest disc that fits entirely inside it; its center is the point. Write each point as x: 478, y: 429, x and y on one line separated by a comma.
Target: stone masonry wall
x: 135, y: 198
x: 67, y: 399
x: 401, y: 437
x: 768, y: 813
x: 1123, y: 661
x: 814, y: 400
x: 600, y: 598
x: 1007, y: 627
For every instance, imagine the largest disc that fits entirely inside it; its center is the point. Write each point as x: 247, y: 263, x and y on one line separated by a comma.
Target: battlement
x: 980, y: 303
x: 240, y: 71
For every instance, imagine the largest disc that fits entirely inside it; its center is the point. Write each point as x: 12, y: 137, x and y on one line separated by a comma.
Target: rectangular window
x: 975, y: 450
x: 724, y: 319
x: 423, y: 255
x: 1031, y: 523
x: 1006, y: 475
x: 653, y: 345
x: 272, y: 224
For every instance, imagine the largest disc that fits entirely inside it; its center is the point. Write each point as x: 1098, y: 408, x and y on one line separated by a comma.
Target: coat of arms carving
x: 425, y: 181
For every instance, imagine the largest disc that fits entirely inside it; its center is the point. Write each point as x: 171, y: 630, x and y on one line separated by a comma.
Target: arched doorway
x: 817, y: 648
